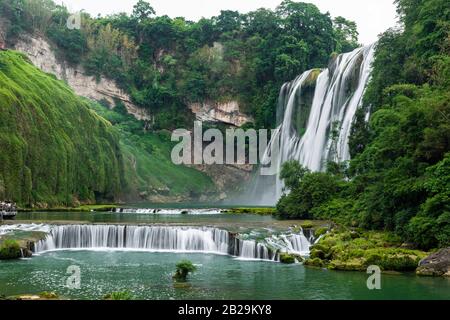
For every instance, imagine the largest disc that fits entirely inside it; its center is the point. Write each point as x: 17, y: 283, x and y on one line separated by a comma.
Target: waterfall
x: 311, y: 109
x: 152, y: 238
x: 169, y: 239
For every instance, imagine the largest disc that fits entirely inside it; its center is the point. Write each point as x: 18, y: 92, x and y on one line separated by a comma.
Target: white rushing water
x: 5, y: 229
x: 335, y: 97
x: 164, y: 239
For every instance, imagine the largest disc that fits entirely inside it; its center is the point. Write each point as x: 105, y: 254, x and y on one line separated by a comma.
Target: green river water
x: 149, y: 275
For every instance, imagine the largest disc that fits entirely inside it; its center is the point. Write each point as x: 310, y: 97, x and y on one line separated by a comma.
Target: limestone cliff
x: 40, y: 53
x: 227, y: 178
x: 225, y: 112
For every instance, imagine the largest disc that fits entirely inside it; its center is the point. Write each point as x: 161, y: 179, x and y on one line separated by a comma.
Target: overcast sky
x: 372, y: 16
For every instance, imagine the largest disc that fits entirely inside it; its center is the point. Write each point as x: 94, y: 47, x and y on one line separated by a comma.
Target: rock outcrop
x: 225, y: 112
x: 41, y: 54
x: 437, y: 264
x: 226, y: 177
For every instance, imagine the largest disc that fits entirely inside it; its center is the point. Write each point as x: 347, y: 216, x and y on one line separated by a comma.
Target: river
x: 147, y: 273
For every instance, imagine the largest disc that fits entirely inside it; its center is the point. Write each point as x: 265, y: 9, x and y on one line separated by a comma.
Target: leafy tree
x: 142, y: 10
x: 228, y: 21
x: 346, y: 34
x: 10, y: 249
x: 307, y: 191
x: 292, y: 173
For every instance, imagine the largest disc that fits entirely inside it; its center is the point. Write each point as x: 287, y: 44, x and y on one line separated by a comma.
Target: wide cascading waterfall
x: 154, y: 238
x: 169, y: 239
x: 315, y: 113
x: 163, y: 211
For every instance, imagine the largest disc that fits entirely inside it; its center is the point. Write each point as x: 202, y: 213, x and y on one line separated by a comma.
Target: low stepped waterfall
x: 168, y: 211
x: 314, y: 116
x: 170, y: 239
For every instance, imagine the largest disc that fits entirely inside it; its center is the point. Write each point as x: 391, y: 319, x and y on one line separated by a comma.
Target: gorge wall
x: 41, y: 54
x: 225, y: 112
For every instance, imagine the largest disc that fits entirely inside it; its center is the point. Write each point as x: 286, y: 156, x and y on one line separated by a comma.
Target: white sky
x: 372, y: 16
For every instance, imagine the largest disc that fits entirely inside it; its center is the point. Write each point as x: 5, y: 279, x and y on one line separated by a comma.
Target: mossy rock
x: 287, y: 258
x: 307, y: 225
x: 350, y: 265
x: 320, y: 231
x: 9, y: 250
x: 316, y: 253
x: 48, y: 295
x: 120, y: 295
x: 315, y: 262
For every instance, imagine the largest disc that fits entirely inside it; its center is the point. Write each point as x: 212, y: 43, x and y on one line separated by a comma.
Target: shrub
x: 183, y: 269
x: 320, y: 232
x: 10, y: 249
x: 316, y: 262
x: 287, y: 258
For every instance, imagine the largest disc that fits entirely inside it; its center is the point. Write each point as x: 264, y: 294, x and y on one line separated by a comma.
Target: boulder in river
x: 437, y: 264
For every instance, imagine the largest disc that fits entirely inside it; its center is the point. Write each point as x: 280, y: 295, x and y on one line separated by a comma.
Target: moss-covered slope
x: 150, y: 173
x: 54, y: 150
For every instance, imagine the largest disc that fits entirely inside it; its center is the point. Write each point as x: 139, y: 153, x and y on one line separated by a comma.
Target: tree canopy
x: 166, y: 63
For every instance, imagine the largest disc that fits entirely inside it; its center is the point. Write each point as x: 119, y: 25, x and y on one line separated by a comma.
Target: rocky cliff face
x: 3, y: 27
x: 437, y: 264
x: 226, y: 177
x: 41, y: 54
x: 225, y: 112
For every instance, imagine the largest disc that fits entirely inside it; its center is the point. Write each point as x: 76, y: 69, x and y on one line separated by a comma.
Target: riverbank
x: 257, y: 211
x: 83, y: 208
x: 347, y: 249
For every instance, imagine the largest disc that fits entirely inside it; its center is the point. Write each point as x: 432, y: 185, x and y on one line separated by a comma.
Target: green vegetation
x: 10, y: 249
x: 355, y: 250
x: 121, y: 295
x: 307, y: 225
x: 149, y: 169
x: 399, y: 177
x: 258, y: 211
x: 183, y: 269
x: 166, y: 63
x: 287, y: 258
x: 55, y: 151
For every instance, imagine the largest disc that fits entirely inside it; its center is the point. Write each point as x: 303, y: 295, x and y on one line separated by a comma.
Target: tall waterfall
x: 315, y: 113
x: 170, y: 239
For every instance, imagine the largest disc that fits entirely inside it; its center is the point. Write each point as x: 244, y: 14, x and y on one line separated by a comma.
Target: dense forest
x: 399, y: 177
x: 166, y: 63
